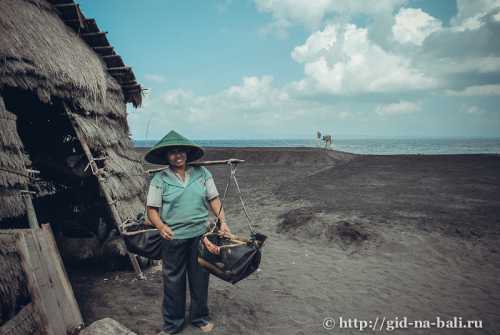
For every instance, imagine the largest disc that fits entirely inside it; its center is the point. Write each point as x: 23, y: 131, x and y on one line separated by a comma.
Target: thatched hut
x: 62, y: 88
x: 65, y: 148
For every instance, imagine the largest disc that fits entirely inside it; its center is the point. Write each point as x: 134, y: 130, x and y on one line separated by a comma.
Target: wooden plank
x: 80, y: 17
x: 46, y: 286
x: 65, y: 5
x: 70, y: 310
x: 52, y: 277
x: 97, y: 33
x: 103, y: 48
x: 71, y: 21
x: 12, y: 326
x: 51, y: 292
x: 29, y: 265
x: 119, y: 69
x: 30, y: 210
x: 111, y: 56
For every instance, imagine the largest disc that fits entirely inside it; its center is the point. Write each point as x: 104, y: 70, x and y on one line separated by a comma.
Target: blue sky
x: 222, y: 69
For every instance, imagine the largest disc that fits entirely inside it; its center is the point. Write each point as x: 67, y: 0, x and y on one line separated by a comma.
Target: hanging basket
x: 142, y: 239
x: 237, y: 259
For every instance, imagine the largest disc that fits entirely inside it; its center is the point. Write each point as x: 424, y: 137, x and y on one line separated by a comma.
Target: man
x: 178, y: 202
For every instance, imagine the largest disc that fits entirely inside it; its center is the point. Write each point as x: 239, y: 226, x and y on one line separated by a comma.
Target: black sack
x: 143, y: 240
x: 237, y: 259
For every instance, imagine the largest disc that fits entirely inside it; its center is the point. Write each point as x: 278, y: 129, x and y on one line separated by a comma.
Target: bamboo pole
x: 202, y: 163
x: 30, y: 209
x: 106, y: 192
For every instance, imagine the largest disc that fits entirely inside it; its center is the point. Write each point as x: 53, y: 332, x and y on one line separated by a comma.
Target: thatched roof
x: 54, y: 59
x: 64, y: 51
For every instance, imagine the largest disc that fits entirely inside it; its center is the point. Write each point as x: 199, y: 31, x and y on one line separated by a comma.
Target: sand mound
x: 456, y: 195
x: 313, y: 224
x: 274, y: 156
x: 279, y: 156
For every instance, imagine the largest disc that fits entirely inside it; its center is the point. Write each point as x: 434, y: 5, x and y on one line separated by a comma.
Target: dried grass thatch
x: 13, y: 162
x: 13, y: 282
x: 41, y: 54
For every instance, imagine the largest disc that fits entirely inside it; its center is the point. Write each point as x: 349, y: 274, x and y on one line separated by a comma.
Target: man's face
x: 177, y: 157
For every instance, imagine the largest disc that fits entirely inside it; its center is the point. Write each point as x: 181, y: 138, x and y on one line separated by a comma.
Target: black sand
x: 349, y: 235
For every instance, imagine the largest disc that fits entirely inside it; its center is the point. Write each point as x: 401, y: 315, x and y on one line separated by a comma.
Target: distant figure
x: 327, y: 139
x: 318, y: 137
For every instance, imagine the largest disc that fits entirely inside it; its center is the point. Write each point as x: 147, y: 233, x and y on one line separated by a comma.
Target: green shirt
x: 183, y: 205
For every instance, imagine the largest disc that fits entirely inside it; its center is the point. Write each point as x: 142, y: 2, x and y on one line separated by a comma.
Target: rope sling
x: 232, y: 175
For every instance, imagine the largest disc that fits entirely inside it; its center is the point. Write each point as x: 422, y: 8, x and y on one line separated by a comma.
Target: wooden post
x: 106, y: 192
x: 30, y: 209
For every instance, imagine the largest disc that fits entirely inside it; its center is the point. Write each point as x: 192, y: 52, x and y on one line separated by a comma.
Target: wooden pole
x: 202, y: 163
x: 106, y: 192
x: 30, y: 209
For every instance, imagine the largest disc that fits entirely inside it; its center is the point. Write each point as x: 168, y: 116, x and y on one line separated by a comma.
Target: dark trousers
x: 179, y: 258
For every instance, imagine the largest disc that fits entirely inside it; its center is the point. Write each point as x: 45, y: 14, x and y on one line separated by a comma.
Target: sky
x: 285, y: 69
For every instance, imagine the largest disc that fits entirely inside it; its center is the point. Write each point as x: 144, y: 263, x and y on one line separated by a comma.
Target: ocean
x: 368, y: 146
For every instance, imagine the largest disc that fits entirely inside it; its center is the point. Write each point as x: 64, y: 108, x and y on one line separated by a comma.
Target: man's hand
x: 166, y: 232
x: 224, y: 229
x: 210, y: 246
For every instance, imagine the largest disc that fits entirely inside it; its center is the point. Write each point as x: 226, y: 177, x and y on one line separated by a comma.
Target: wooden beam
x: 107, y: 47
x: 76, y: 20
x: 30, y: 209
x: 111, y: 56
x: 63, y: 5
x: 118, y: 69
x: 97, y: 33
x: 70, y: 310
x: 80, y: 16
x: 203, y: 163
x: 29, y: 266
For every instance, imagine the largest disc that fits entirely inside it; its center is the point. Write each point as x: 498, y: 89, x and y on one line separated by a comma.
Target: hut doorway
x: 65, y: 193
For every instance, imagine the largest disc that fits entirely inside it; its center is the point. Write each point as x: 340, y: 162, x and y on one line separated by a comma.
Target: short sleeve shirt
x: 184, y: 204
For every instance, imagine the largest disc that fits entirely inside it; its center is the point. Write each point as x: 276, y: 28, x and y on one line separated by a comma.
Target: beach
x: 365, y: 237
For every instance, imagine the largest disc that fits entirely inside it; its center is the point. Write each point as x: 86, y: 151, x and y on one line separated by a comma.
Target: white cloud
x: 312, y: 14
x: 474, y: 110
x: 287, y: 12
x: 469, y: 46
x: 401, y: 107
x: 155, y: 78
x: 342, y: 60
x: 469, y: 12
x: 470, y: 23
x: 344, y: 115
x: 478, y: 90
x: 254, y: 104
x: 317, y: 44
x: 414, y: 25
x: 458, y: 65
